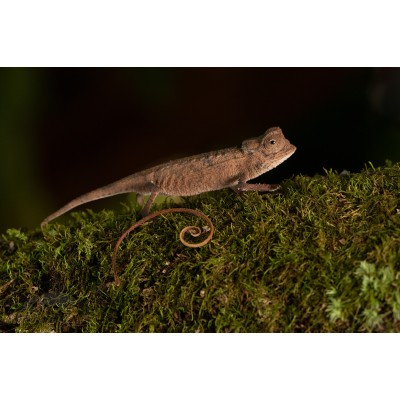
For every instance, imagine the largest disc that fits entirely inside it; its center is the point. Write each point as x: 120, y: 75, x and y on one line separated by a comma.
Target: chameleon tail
x: 122, y: 186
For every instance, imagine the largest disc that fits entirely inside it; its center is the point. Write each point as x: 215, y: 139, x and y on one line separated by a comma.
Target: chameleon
x: 220, y: 169
x: 215, y: 170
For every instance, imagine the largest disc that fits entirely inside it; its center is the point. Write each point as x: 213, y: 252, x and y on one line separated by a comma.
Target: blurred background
x: 64, y: 132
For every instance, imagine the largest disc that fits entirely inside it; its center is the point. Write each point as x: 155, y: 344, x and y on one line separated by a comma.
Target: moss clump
x: 323, y: 255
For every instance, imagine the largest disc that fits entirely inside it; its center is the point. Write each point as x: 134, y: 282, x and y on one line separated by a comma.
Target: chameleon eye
x: 272, y: 141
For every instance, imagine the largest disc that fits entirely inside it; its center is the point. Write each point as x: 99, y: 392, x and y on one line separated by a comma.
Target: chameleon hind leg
x: 150, y: 201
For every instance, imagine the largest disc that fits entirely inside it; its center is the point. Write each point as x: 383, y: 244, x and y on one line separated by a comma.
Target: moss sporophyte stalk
x: 321, y: 255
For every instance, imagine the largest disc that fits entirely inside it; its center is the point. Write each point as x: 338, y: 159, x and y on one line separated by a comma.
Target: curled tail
x: 126, y: 185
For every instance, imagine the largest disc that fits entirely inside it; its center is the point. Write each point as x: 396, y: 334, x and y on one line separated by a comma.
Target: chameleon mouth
x: 288, y: 152
x: 282, y: 156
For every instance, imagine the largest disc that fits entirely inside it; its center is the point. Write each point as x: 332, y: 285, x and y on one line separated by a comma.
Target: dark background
x: 64, y: 132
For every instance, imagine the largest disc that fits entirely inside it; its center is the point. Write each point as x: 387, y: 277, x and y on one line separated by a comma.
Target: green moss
x: 323, y: 255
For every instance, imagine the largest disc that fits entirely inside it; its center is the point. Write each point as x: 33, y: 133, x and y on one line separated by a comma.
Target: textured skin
x: 228, y: 168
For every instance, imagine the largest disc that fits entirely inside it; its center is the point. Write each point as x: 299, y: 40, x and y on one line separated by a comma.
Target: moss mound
x: 323, y: 255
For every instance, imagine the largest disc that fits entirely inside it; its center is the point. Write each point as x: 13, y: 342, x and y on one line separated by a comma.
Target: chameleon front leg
x: 258, y: 187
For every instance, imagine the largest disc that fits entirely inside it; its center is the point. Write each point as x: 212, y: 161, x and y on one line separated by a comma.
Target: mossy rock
x: 322, y: 255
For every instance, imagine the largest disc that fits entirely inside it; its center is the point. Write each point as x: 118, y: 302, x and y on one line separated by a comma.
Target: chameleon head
x: 274, y: 142
x: 275, y: 147
x: 271, y: 144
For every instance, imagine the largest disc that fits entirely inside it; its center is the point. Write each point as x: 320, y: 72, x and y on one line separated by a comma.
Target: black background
x: 64, y: 132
